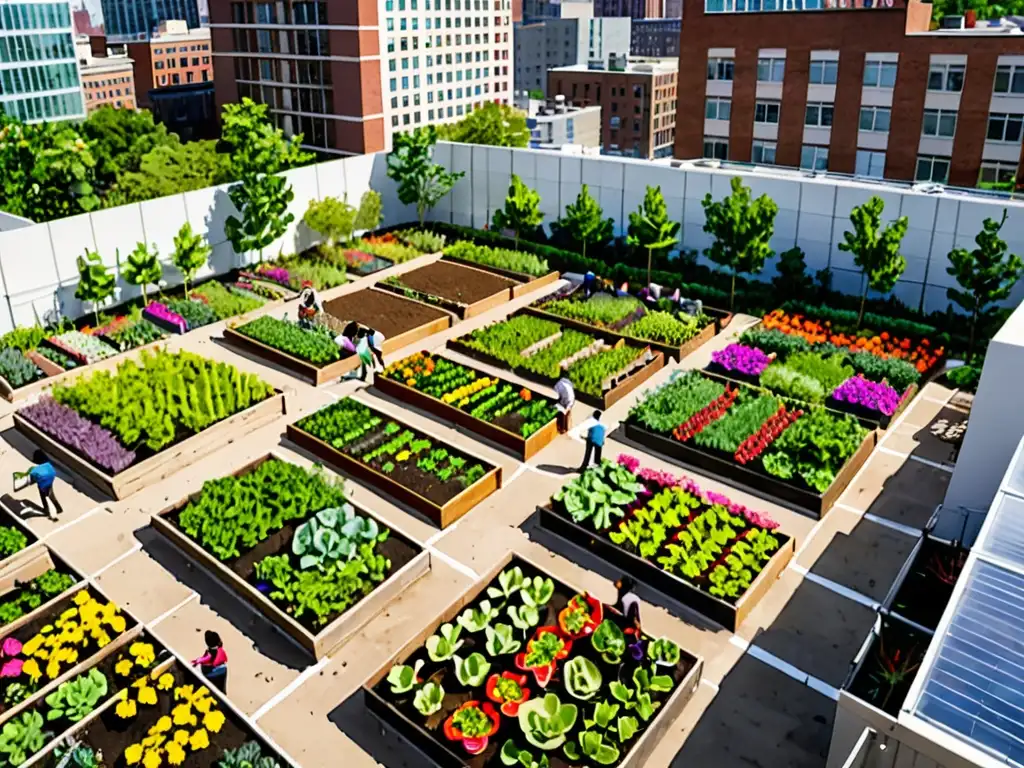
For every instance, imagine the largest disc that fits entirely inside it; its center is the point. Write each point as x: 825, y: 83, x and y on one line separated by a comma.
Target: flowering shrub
x: 162, y: 314
x: 875, y: 396
x: 90, y: 440
x: 277, y: 274
x: 741, y: 359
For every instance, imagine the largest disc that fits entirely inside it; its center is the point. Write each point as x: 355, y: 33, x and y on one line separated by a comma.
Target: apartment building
x: 107, y: 80
x: 135, y: 20
x: 853, y: 89
x: 655, y: 38
x: 556, y: 122
x: 637, y: 100
x: 348, y: 75
x: 636, y: 9
x: 39, y: 78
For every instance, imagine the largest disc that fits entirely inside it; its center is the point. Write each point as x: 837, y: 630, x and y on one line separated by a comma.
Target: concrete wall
x: 9, y: 221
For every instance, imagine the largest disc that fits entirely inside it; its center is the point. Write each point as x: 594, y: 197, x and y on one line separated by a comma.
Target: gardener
x: 43, y: 474
x: 595, y: 441
x: 309, y: 305
x: 589, y: 281
x: 376, y: 339
x: 627, y: 603
x: 214, y: 663
x: 566, y: 400
x: 363, y: 350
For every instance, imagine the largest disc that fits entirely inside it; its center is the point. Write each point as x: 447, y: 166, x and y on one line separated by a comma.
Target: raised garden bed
x: 224, y: 404
x: 885, y: 667
x: 466, y: 291
x: 925, y: 586
x: 529, y: 271
x: 522, y: 662
x: 538, y: 349
x: 662, y: 534
x: 401, y: 320
x: 33, y: 584
x: 309, y: 355
x: 437, y: 480
x: 17, y: 541
x: 514, y: 417
x: 257, y: 549
x: 756, y: 440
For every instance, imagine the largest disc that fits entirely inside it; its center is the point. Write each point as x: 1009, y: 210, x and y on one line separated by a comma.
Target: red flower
x: 474, y: 745
x: 502, y: 690
x: 594, y: 610
x: 543, y: 673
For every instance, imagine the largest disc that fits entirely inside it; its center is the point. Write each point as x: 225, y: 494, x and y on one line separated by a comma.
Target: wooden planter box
x: 165, y: 463
x: 37, y: 561
x: 462, y: 311
x: 439, y: 754
x: 31, y: 550
x: 297, y: 367
x: 874, y: 419
x: 527, y: 283
x: 751, y: 478
x: 335, y: 634
x: 729, y: 615
x: 440, y: 515
x: 523, y: 447
x: 413, y: 335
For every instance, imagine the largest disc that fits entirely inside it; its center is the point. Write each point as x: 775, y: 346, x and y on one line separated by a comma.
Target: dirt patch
x: 384, y: 312
x: 455, y: 282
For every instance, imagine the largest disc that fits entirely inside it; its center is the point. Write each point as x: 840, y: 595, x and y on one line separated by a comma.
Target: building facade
x: 866, y: 90
x: 106, y: 81
x: 556, y: 123
x: 564, y: 43
x: 135, y: 20
x: 635, y: 9
x: 349, y: 74
x: 180, y: 56
x: 637, y: 100
x: 655, y: 38
x: 39, y: 78
x: 83, y: 23
x: 673, y: 9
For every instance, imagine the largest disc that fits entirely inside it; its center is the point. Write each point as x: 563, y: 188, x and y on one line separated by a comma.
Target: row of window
x: 52, y: 107
x: 190, y: 77
x: 459, y: 5
x: 36, y: 48
x: 46, y: 77
x: 302, y: 42
x: 298, y: 12
x: 184, y: 49
x: 413, y: 43
x: 182, y: 62
x: 293, y: 71
x: 405, y: 24
x: 112, y: 93
x: 34, y: 16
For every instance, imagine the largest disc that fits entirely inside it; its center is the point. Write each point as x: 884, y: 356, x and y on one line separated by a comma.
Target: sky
x: 97, y: 14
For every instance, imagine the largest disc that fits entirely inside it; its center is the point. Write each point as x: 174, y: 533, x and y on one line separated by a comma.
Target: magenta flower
x: 161, y: 312
x: 873, y: 395
x: 277, y: 274
x: 737, y: 358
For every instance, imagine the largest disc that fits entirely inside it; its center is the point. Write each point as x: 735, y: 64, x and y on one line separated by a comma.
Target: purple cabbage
x: 69, y: 428
x: 742, y: 359
x: 873, y: 395
x: 161, y: 312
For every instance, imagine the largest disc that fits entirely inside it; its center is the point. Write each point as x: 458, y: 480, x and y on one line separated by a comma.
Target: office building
x: 39, y: 77
x: 187, y: 110
x: 563, y: 43
x: 655, y: 38
x: 135, y: 20
x: 173, y: 55
x: 635, y: 9
x: 855, y: 89
x: 348, y: 75
x: 556, y: 123
x: 107, y: 80
x: 637, y: 100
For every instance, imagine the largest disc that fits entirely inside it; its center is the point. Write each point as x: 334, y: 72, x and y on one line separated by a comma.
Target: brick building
x: 637, y: 100
x: 108, y: 80
x: 636, y: 9
x: 867, y: 90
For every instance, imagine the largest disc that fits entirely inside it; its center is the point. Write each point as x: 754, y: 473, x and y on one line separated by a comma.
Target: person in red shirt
x: 214, y: 663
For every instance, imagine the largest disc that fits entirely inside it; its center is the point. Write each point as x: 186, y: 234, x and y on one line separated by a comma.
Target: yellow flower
x: 147, y: 695
x: 204, y: 701
x: 182, y: 715
x: 402, y: 456
x: 102, y: 638
x: 165, y: 682
x: 181, y: 737
x: 175, y: 754
x: 53, y: 669
x: 154, y: 740
x: 33, y: 645
x: 186, y: 692
x: 31, y: 668
x: 143, y: 653
x: 133, y: 754
x: 163, y: 724
x: 82, y: 598
x: 46, y: 630
x: 42, y: 654
x: 126, y: 709
x: 124, y: 667
x: 199, y: 740
x: 117, y: 623
x: 213, y: 721
x: 152, y: 759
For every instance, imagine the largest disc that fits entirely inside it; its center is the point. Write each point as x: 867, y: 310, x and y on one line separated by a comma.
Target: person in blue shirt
x: 595, y: 442
x: 43, y: 474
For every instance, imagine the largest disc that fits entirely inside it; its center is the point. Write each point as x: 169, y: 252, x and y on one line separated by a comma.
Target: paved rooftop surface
x: 767, y: 696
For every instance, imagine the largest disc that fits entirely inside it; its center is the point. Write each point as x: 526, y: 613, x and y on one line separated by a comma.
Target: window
x: 824, y: 73
x: 993, y: 173
x: 814, y: 158
x: 875, y: 119
x: 763, y: 152
x: 880, y: 74
x: 939, y: 122
x: 720, y: 69
x: 766, y: 112
x: 718, y: 109
x: 818, y: 115
x: 1009, y: 79
x: 933, y: 169
x: 1002, y: 127
x: 870, y: 163
x: 946, y: 77
x: 716, y: 148
x: 771, y: 70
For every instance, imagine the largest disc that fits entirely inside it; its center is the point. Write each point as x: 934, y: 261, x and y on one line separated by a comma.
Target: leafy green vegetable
x: 472, y: 670
x: 403, y: 678
x: 814, y: 448
x: 443, y: 646
x: 316, y: 346
x: 609, y: 640
x: 428, y: 699
x: 546, y: 721
x: 76, y: 698
x: 582, y: 678
x: 676, y: 401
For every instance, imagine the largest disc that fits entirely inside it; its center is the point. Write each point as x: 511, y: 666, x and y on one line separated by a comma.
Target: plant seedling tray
x: 438, y: 752
x: 145, y: 473
x: 523, y: 447
x: 317, y: 375
x: 502, y: 288
x: 527, y: 283
x: 752, y: 477
x: 918, y: 596
x: 441, y: 515
x: 729, y: 615
x: 331, y: 637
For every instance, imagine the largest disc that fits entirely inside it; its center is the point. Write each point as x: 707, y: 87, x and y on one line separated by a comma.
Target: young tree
x: 584, y: 224
x: 792, y: 279
x: 742, y: 229
x: 190, y: 253
x: 369, y: 214
x: 650, y: 228
x: 263, y: 201
x: 141, y: 269
x: 875, y: 250
x: 421, y: 181
x: 521, y: 213
x: 95, y: 281
x: 334, y: 219
x: 495, y: 125
x: 120, y: 138
x: 987, y: 274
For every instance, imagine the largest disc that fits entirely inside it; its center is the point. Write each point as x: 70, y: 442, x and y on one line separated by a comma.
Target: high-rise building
x: 864, y: 87
x: 347, y: 75
x: 39, y: 77
x: 656, y: 38
x: 135, y: 20
x: 83, y: 23
x: 106, y: 81
x: 636, y: 9
x: 173, y: 55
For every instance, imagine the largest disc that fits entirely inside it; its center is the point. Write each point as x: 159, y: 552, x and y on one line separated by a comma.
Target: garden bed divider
x: 297, y: 367
x: 335, y: 634
x: 462, y: 311
x: 761, y: 483
x: 527, y: 283
x: 168, y: 461
x: 29, y: 552
x: 384, y: 711
x: 523, y: 447
x: 715, y: 608
x: 441, y: 515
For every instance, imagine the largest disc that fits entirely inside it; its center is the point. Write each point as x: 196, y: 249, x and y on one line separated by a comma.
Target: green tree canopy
x: 369, y: 213
x: 191, y: 252
x: 96, y: 282
x: 876, y: 250
x: 650, y: 227
x: 121, y: 138
x: 521, y: 213
x: 421, y: 181
x: 584, y: 224
x: 170, y: 169
x: 142, y: 267
x: 495, y: 125
x: 334, y: 219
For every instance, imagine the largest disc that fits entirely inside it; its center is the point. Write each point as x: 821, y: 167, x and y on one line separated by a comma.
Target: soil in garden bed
x: 929, y: 584
x: 382, y: 311
x: 900, y: 647
x: 454, y: 282
x: 457, y: 694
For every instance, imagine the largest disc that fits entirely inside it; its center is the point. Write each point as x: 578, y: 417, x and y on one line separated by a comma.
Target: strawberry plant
x: 705, y: 416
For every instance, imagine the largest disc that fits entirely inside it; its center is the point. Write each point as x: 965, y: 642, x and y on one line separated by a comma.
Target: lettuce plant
x: 315, y: 346
x: 333, y: 534
x: 664, y: 651
x: 17, y: 369
x: 593, y: 746
x: 476, y: 619
x: 511, y: 754
x: 582, y: 678
x: 609, y: 640
x: 537, y: 591
x: 509, y: 582
x: 427, y: 699
x: 249, y: 755
x: 22, y: 737
x: 500, y: 640
x: 403, y: 678
x: 443, y: 646
x: 546, y: 722
x: 599, y: 494
x: 524, y: 616
x: 74, y: 699
x: 472, y: 670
